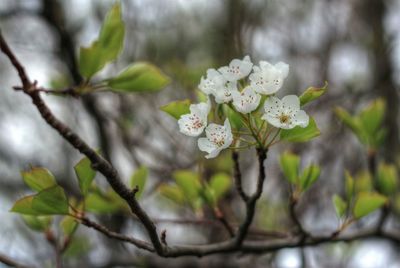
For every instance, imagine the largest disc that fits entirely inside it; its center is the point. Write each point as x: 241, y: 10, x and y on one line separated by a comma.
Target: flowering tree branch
x: 98, y: 162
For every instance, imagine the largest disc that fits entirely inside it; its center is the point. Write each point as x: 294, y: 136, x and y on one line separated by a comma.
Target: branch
x: 104, y: 230
x: 292, y: 212
x: 238, y: 176
x: 251, y: 202
x: 98, y: 162
x: 9, y: 262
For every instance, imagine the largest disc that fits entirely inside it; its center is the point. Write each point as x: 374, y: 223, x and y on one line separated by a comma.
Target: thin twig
x: 237, y: 175
x: 12, y: 263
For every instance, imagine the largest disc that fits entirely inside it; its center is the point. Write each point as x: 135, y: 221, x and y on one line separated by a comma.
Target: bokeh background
x: 352, y: 44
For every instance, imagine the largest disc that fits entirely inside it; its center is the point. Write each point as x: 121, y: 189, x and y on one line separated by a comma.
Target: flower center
x: 284, y: 119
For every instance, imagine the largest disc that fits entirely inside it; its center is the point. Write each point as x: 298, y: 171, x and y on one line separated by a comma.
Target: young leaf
x: 24, y: 206
x: 220, y: 184
x: 37, y: 223
x: 38, y: 178
x: 139, y: 77
x: 290, y: 163
x: 353, y: 123
x: 372, y: 117
x: 299, y: 134
x: 189, y: 182
x: 340, y: 205
x: 51, y: 201
x: 139, y: 179
x: 349, y: 185
x: 177, y: 108
x: 85, y: 174
x: 387, y: 178
x: 233, y: 116
x: 312, y: 93
x: 107, y: 47
x: 68, y: 225
x: 173, y: 193
x: 367, y: 202
x: 97, y: 203
x: 309, y: 176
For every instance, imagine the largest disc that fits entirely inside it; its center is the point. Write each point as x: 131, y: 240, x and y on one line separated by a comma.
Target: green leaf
x: 312, y: 93
x: 208, y: 195
x: 139, y: 179
x: 234, y: 117
x: 78, y: 246
x: 139, y: 77
x: 349, y: 185
x: 367, y: 202
x: 353, y: 123
x: 97, y: 203
x: 220, y: 184
x: 387, y: 178
x: 340, y: 205
x: 177, y: 108
x: 68, y: 225
x: 107, y: 47
x: 24, y: 206
x: 38, y: 178
x: 85, y: 174
x: 290, y: 163
x: 363, y: 182
x: 173, y: 193
x: 189, y: 182
x: 372, y: 117
x: 309, y: 176
x: 51, y: 201
x: 37, y: 223
x: 299, y: 134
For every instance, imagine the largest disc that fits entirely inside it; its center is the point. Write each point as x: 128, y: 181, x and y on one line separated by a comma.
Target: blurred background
x: 352, y: 44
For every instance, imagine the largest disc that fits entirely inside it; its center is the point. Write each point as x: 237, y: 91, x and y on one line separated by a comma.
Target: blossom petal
x: 246, y: 101
x: 273, y: 120
x: 224, y: 95
x: 207, y: 146
x: 273, y: 106
x: 191, y: 125
x: 283, y: 68
x: 291, y: 104
x: 301, y: 119
x: 237, y: 69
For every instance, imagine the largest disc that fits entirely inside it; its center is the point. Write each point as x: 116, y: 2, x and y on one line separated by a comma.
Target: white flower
x: 268, y: 79
x: 237, y: 69
x: 194, y: 123
x: 218, y: 138
x: 224, y: 94
x: 285, y: 113
x: 212, y: 83
x: 246, y: 101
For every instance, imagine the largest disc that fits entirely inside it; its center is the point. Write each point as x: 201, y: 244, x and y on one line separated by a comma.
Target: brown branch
x: 292, y: 212
x: 104, y: 230
x: 238, y: 176
x: 252, y: 201
x: 10, y: 262
x: 98, y: 162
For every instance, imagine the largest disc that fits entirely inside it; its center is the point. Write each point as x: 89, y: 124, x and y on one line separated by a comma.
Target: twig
x: 98, y: 162
x: 10, y: 262
x: 104, y: 230
x: 292, y: 212
x: 238, y: 176
x: 252, y: 201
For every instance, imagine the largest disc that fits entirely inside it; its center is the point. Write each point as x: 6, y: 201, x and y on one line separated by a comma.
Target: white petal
x: 283, y: 68
x: 206, y: 146
x: 246, y: 101
x: 273, y: 106
x: 301, y: 119
x: 190, y: 127
x: 273, y: 120
x: 201, y: 109
x: 265, y: 65
x: 224, y: 95
x: 291, y: 104
x: 227, y: 126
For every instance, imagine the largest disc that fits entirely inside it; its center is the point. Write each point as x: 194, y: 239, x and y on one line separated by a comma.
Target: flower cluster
x: 226, y: 85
